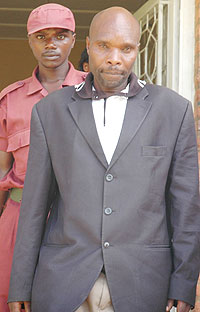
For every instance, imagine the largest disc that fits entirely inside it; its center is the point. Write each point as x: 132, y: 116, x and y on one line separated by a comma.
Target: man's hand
x: 181, y: 306
x: 17, y: 306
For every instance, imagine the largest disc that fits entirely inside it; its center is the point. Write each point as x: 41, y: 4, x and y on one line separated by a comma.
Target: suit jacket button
x: 106, y: 244
x: 108, y: 211
x: 109, y: 177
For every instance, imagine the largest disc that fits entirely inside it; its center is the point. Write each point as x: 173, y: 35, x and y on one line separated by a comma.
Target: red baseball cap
x: 50, y: 15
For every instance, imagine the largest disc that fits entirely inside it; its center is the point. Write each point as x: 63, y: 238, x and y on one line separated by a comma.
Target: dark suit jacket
x: 152, y: 189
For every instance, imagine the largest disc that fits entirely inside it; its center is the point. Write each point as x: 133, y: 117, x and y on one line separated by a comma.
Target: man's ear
x: 29, y: 40
x: 87, y: 44
x: 74, y: 39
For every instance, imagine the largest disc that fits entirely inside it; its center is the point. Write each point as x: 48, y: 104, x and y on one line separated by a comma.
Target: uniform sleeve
x: 184, y: 204
x: 3, y: 125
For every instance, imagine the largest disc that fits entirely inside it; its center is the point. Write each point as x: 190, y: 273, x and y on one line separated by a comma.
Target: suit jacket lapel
x: 137, y: 109
x: 81, y: 111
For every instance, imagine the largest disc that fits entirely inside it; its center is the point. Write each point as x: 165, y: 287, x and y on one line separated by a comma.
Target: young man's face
x: 52, y: 46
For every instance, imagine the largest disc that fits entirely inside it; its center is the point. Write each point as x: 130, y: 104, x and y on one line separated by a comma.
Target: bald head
x: 112, y: 46
x: 118, y: 14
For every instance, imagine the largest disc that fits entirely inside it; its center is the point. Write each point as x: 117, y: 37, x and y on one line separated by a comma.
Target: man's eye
x: 61, y: 37
x: 103, y: 45
x: 40, y: 37
x: 127, y: 49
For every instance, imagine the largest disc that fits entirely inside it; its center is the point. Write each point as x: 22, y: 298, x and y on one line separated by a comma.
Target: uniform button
x: 109, y: 177
x: 106, y: 244
x: 20, y: 83
x: 108, y: 211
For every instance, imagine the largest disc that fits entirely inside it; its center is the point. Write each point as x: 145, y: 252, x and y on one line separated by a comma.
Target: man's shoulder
x: 166, y: 98
x: 156, y: 90
x: 56, y: 98
x: 53, y: 105
x: 14, y: 87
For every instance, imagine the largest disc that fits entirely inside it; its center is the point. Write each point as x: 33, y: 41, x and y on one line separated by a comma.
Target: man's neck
x: 52, y: 78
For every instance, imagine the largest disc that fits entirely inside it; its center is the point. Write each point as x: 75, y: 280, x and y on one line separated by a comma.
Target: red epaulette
x: 11, y: 87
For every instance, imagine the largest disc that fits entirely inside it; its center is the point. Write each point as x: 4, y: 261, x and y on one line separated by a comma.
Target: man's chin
x: 114, y: 85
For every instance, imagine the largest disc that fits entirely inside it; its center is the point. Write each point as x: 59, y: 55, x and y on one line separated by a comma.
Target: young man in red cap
x: 51, y: 33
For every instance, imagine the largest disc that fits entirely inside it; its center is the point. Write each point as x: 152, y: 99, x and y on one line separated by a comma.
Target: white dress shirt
x: 109, y: 121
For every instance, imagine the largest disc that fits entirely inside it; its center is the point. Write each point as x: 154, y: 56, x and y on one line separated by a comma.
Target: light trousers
x: 99, y: 298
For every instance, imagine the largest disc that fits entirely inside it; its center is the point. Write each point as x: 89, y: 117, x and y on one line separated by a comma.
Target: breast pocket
x: 18, y: 140
x: 156, y: 151
x: 18, y: 145
x: 155, y: 164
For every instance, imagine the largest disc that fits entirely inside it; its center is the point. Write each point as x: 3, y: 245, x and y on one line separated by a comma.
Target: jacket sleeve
x: 33, y: 213
x: 184, y: 204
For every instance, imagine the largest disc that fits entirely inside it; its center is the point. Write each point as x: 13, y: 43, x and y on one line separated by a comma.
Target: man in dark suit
x: 119, y: 159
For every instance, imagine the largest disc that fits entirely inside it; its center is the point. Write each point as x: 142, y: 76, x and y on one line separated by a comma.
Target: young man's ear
x: 74, y: 39
x: 29, y: 40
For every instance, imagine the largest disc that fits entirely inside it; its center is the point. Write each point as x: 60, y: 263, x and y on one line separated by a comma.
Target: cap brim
x: 37, y: 29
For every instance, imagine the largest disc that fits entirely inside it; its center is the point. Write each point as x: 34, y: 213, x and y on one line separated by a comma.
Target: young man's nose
x: 50, y: 43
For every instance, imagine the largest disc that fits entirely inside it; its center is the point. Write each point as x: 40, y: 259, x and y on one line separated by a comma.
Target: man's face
x: 112, y: 49
x: 51, y: 47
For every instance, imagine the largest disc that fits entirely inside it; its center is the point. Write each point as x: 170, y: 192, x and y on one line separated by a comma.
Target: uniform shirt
x: 16, y: 103
x: 109, y: 117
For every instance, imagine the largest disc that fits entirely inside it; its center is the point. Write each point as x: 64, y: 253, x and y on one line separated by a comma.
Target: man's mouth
x: 51, y: 56
x: 114, y: 73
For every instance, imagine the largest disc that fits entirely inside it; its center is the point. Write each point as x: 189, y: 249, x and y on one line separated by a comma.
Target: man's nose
x: 50, y: 43
x: 114, y: 57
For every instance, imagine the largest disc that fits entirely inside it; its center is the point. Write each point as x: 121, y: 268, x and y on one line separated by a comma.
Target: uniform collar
x: 86, y: 91
x: 36, y: 86
x: 71, y: 78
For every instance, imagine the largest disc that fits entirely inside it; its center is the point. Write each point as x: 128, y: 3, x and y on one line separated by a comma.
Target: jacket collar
x: 85, y: 90
x: 137, y: 110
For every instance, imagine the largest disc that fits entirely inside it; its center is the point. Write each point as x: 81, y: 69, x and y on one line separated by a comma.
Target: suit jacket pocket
x: 154, y: 151
x: 158, y: 246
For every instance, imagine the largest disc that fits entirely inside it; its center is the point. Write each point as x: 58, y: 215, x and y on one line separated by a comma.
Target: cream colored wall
x: 17, y: 61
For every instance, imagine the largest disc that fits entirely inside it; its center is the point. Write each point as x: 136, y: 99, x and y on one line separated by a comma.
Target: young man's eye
x: 40, y: 37
x: 61, y: 37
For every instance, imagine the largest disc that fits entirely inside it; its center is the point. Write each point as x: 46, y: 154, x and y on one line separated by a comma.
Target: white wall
x: 187, y: 49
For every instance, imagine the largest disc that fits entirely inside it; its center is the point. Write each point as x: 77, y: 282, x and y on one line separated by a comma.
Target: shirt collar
x: 71, y: 78
x: 36, y: 86
x: 86, y: 91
